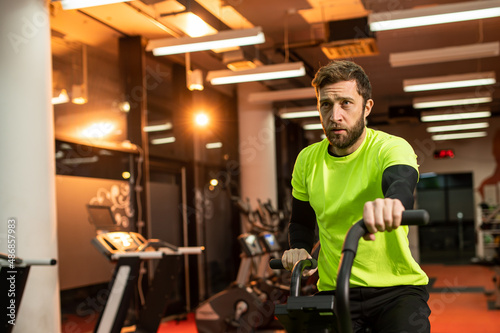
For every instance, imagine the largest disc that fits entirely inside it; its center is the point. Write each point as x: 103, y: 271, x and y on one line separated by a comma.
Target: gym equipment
x: 14, y: 273
x: 129, y: 250
x: 241, y: 307
x: 314, y: 313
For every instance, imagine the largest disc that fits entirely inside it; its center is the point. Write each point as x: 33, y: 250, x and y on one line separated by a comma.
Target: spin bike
x: 315, y: 313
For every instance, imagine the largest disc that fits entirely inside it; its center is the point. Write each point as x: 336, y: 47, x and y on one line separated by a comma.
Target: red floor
x: 457, y: 301
x: 458, y: 305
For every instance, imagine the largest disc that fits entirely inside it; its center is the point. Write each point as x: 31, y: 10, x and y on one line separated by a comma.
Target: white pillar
x: 27, y: 170
x: 257, y: 147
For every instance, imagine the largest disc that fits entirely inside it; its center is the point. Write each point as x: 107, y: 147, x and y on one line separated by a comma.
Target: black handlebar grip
x: 276, y: 264
x: 415, y: 217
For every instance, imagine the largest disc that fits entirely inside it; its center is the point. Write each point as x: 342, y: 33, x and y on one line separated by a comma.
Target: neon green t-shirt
x: 337, y: 189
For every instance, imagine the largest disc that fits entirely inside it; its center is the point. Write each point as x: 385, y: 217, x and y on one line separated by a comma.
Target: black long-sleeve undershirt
x: 398, y: 182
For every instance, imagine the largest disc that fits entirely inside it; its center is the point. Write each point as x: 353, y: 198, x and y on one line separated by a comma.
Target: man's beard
x: 345, y: 141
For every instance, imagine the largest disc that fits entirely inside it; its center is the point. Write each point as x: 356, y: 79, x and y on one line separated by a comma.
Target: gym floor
x: 460, y: 300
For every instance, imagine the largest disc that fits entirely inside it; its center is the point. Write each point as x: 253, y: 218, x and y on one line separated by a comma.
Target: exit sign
x: 444, y: 153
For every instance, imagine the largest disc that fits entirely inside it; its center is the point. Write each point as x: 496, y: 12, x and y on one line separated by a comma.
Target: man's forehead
x: 342, y: 88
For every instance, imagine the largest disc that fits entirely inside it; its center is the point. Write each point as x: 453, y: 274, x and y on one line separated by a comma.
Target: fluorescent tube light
x: 312, y: 127
x: 451, y: 100
x: 213, y: 145
x: 455, y: 136
x: 457, y: 127
x: 223, y: 39
x: 299, y: 112
x: 455, y: 12
x: 158, y: 127
x: 445, y: 54
x: 431, y: 116
x: 449, y: 82
x: 268, y: 72
x: 160, y: 141
x: 75, y: 4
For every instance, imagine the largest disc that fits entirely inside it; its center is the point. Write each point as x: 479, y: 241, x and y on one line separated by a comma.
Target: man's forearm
x: 302, y: 225
x: 398, y: 182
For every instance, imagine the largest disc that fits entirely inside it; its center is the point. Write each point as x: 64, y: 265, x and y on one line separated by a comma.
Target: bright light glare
x: 201, y: 119
x: 125, y: 175
x: 194, y: 26
x: 98, y: 130
x: 61, y: 98
x: 214, y: 182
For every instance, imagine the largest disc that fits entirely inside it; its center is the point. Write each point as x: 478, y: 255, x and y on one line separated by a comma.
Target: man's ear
x: 368, y: 107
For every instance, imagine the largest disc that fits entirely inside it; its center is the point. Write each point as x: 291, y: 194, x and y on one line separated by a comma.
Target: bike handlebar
x: 349, y: 249
x: 297, y: 270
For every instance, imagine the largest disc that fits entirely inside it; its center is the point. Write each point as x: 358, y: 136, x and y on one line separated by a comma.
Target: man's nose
x: 336, y: 113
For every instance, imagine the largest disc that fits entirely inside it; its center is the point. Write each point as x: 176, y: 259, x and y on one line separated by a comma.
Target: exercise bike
x: 315, y: 313
x: 245, y: 305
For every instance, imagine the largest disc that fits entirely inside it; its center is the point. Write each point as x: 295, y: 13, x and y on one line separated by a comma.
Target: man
x: 357, y: 173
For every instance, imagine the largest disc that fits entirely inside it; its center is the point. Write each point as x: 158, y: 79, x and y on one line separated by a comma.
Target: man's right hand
x: 290, y: 257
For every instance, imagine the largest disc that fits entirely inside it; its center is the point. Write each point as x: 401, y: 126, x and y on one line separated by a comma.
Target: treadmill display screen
x: 102, y: 218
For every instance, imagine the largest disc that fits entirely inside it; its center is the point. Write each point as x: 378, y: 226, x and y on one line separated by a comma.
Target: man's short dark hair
x: 343, y: 70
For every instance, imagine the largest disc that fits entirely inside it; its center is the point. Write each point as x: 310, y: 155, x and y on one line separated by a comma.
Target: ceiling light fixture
x: 455, y: 12
x: 62, y: 97
x: 223, y: 39
x: 161, y: 141
x: 267, y: 72
x: 451, y: 100
x: 455, y: 136
x: 213, y: 145
x: 457, y: 127
x: 447, y: 116
x: 194, y: 78
x: 300, y: 112
x: 312, y: 127
x: 445, y: 54
x: 449, y: 82
x: 75, y: 4
x: 164, y: 126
